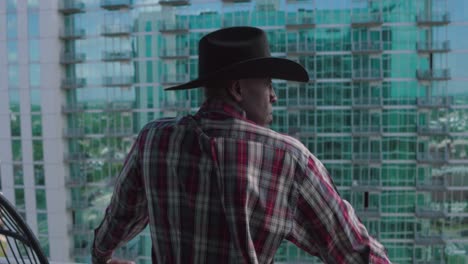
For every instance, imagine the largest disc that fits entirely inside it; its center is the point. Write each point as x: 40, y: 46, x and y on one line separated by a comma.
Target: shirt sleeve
x: 326, y: 225
x: 127, y: 213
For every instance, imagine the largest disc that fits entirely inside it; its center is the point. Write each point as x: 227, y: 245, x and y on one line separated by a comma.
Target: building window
x: 38, y: 151
x: 39, y: 179
x: 41, y: 202
x: 18, y: 174
x: 33, y: 24
x: 15, y: 125
x: 34, y: 50
x: 36, y: 123
x: 12, y: 49
x: 19, y: 198
x: 16, y: 149
x: 34, y: 75
x: 35, y: 100
x: 12, y: 26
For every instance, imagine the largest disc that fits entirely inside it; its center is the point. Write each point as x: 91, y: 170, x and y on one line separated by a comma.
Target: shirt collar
x: 217, y: 106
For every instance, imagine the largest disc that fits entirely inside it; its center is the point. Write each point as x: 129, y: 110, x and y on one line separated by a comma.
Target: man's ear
x: 235, y: 91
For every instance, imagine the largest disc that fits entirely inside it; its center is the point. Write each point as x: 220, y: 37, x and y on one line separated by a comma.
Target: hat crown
x: 229, y: 46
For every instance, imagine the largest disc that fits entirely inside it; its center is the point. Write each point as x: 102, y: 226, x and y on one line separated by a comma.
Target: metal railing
x: 438, y: 74
x: 174, y: 78
x: 366, y: 47
x: 435, y: 101
x: 367, y: 157
x: 369, y: 129
x: 75, y: 107
x: 70, y: 83
x: 174, y: 2
x: 118, y: 132
x: 422, y: 238
x: 119, y: 106
x: 117, y: 81
x: 367, y: 74
x: 114, y: 4
x: 301, y: 48
x: 297, y: 20
x: 75, y: 181
x: 432, y: 157
x: 74, y: 132
x: 72, y: 57
x: 362, y: 185
x: 371, y: 212
x: 367, y: 102
x: 116, y: 29
x: 117, y: 55
x: 71, y: 6
x: 174, y: 53
x: 433, y: 18
x: 366, y: 19
x: 433, y: 129
x: 435, y: 183
x: 433, y: 46
x: 72, y: 33
x: 431, y: 212
x: 173, y: 26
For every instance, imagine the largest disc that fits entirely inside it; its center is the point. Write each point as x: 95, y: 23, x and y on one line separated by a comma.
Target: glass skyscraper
x: 386, y: 109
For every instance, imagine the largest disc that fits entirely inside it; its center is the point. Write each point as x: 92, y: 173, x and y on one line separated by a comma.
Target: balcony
x: 367, y: 158
x: 115, y: 4
x: 366, y: 20
x: 366, y: 48
x: 235, y: 1
x: 368, y: 212
x: 116, y: 30
x: 433, y: 184
x: 71, y: 157
x: 73, y: 108
x: 430, y: 212
x: 75, y: 181
x: 301, y: 103
x: 117, y: 55
x: 74, y: 132
x: 234, y: 21
x: 435, y: 102
x: 72, y: 83
x: 174, y: 53
x: 300, y: 48
x: 117, y: 81
x: 435, y: 19
x: 68, y: 7
x: 72, y: 58
x: 433, y: 47
x: 119, y: 106
x: 366, y: 75
x: 433, y: 130
x: 299, y: 21
x: 78, y: 204
x: 368, y: 130
x: 118, y: 132
x: 366, y: 185
x: 174, y: 79
x: 428, y: 239
x: 173, y: 27
x: 72, y: 33
x: 175, y: 105
x: 174, y: 2
x: 433, y: 157
x: 80, y: 229
x: 433, y: 75
x: 367, y: 103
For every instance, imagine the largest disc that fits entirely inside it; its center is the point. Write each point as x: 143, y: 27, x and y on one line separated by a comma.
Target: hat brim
x: 268, y: 67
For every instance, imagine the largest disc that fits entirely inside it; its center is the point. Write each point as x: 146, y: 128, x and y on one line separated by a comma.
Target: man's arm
x: 326, y: 225
x: 127, y: 213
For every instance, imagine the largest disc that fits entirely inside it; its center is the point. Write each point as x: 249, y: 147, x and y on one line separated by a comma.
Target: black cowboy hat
x: 239, y: 53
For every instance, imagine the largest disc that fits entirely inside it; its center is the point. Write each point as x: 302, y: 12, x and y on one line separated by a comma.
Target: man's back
x: 219, y: 188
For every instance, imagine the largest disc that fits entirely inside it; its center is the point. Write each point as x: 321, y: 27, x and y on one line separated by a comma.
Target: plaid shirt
x: 217, y: 188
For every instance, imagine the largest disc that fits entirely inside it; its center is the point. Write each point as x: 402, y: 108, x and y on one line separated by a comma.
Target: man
x: 219, y: 186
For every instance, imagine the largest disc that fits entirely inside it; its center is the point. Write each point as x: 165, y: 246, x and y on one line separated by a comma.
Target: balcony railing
x: 368, y: 212
x: 433, y: 184
x: 173, y: 27
x: 116, y: 30
x: 430, y: 212
x: 366, y: 185
x: 432, y: 157
x: 79, y: 229
x: 71, y: 83
x: 366, y: 130
x: 117, y: 81
x: 440, y: 129
x: 75, y: 182
x: 366, y: 48
x: 72, y: 33
x: 366, y: 20
x: 367, y: 75
x: 428, y: 239
x: 119, y: 106
x: 72, y: 108
x: 433, y: 75
x: 174, y: 53
x: 299, y: 21
x: 115, y: 4
x: 76, y: 156
x: 174, y: 2
x: 367, y: 103
x: 68, y: 7
x: 367, y: 158
x: 301, y: 103
x: 174, y: 79
x: 433, y: 47
x: 234, y: 21
x: 78, y: 204
x: 176, y: 105
x: 118, y: 132
x: 72, y: 57
x: 433, y: 19
x: 435, y: 102
x: 303, y: 48
x: 117, y: 55
x: 74, y: 132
